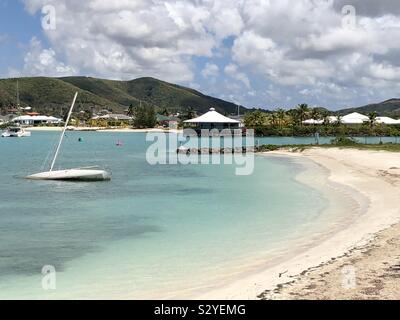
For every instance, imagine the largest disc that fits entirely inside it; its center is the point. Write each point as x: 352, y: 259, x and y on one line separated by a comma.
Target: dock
x: 200, y: 151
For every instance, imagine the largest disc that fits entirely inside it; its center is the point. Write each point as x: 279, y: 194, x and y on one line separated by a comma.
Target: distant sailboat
x: 16, y: 131
x: 78, y: 174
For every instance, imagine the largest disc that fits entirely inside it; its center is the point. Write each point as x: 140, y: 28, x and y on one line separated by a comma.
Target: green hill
x: 390, y: 108
x: 50, y: 95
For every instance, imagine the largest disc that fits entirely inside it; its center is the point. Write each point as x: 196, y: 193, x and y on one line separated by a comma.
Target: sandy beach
x: 98, y: 129
x: 358, y: 262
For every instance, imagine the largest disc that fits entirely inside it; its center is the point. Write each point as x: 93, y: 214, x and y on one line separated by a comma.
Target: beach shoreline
x: 376, y: 177
x: 98, y: 129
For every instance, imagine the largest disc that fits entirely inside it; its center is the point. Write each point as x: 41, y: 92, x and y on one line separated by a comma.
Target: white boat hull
x: 16, y: 134
x: 72, y: 175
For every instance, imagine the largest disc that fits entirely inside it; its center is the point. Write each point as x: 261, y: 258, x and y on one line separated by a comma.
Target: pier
x: 200, y: 151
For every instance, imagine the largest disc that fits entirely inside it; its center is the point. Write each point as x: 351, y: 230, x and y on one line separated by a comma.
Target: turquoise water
x: 153, y: 231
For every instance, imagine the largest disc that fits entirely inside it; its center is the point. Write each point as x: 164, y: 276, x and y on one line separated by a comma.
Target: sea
x: 155, y: 231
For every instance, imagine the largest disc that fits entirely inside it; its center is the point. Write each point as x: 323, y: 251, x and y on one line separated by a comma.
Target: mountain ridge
x: 50, y: 95
x: 389, y: 108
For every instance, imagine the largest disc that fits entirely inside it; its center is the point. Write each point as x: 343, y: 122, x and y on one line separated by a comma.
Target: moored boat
x: 78, y: 174
x: 15, y: 132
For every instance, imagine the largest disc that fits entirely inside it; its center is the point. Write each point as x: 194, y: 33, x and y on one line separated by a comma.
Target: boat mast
x: 63, y: 132
x: 18, y: 103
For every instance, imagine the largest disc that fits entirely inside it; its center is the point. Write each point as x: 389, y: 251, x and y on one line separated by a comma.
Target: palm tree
x: 281, y: 117
x: 188, y: 114
x: 339, y: 120
x: 274, y: 119
x: 131, y: 110
x: 302, y: 111
x: 372, y: 118
x: 294, y: 116
x: 255, y: 119
x: 325, y: 117
x: 315, y: 114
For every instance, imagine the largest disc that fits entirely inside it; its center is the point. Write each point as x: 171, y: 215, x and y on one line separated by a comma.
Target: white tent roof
x: 354, y: 118
x: 331, y: 119
x: 313, y: 121
x: 387, y: 120
x: 212, y: 116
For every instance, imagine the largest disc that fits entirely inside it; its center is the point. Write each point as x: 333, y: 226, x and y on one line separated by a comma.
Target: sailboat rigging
x: 78, y: 174
x: 16, y: 131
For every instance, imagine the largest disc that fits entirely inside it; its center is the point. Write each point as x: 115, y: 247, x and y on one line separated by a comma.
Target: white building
x: 387, y: 120
x: 213, y: 120
x: 113, y: 117
x: 353, y: 118
x: 313, y: 122
x: 36, y: 120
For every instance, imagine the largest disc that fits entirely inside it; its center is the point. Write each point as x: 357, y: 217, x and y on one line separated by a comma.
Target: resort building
x: 386, y: 120
x: 113, y: 119
x: 168, y: 121
x: 36, y: 120
x: 313, y: 122
x: 212, y: 120
x: 353, y: 119
x: 239, y: 118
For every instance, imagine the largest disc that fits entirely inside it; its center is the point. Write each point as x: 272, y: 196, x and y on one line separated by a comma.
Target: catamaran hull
x: 15, y: 135
x: 72, y: 175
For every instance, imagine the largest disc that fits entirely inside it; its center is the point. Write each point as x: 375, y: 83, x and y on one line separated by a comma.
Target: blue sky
x: 267, y: 54
x: 17, y: 27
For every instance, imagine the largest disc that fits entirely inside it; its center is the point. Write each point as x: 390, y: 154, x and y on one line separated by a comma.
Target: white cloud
x: 232, y: 71
x: 303, y: 45
x: 39, y: 61
x: 298, y: 46
x: 127, y: 39
x: 210, y: 70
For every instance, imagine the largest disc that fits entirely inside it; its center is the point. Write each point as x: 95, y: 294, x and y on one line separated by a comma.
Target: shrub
x: 344, y: 141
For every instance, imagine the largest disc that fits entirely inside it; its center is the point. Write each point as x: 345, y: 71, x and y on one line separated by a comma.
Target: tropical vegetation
x: 53, y: 96
x: 290, y: 123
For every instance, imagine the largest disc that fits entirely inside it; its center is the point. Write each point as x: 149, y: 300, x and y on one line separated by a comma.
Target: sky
x: 258, y: 53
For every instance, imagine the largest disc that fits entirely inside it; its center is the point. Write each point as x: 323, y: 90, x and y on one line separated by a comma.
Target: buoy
x: 80, y: 140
